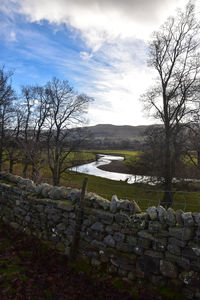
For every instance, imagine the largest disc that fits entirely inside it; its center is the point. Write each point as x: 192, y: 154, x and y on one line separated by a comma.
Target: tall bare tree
x: 35, y: 110
x: 67, y: 110
x: 7, y: 96
x: 12, y: 135
x: 174, y: 55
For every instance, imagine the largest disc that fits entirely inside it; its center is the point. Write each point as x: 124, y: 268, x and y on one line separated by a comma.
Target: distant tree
x: 7, y: 97
x: 66, y: 111
x: 174, y: 55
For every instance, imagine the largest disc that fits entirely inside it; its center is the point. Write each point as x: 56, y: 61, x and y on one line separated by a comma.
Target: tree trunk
x: 198, y: 158
x: 11, y: 164
x: 1, y: 160
x: 168, y: 195
x: 56, y: 180
x: 25, y: 170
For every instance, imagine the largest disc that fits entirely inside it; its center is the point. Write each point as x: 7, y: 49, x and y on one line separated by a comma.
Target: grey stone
x: 191, y: 252
x: 45, y: 189
x: 174, y: 249
x: 161, y: 213
x: 123, y: 204
x: 98, y: 244
x: 72, y: 215
x: 123, y: 247
x: 152, y: 212
x: 74, y: 195
x: 154, y: 254
x: 132, y: 240
x: 187, y: 219
x: 55, y: 193
x: 170, y: 217
x: 106, y: 217
x: 159, y: 244
x: 109, y: 229
x: 38, y: 189
x: 144, y: 243
x: 183, y: 234
x: 145, y: 234
x: 141, y: 216
x: 156, y: 226
x: 134, y: 207
x: 178, y: 214
x: 97, y: 235
x: 180, y: 261
x: 27, y: 219
x: 64, y: 205
x: 168, y: 269
x: 196, y: 217
x: 176, y: 242
x: 102, y: 203
x: 118, y: 237
x: 122, y: 218
x: 61, y: 227
x: 64, y: 192
x: 97, y: 227
x: 109, y: 241
x: 113, y: 204
x: 12, y: 178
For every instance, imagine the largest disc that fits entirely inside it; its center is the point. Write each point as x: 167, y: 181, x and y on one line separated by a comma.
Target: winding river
x: 92, y: 169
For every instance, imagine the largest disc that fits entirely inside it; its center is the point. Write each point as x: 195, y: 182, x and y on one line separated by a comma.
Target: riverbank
x: 116, y: 166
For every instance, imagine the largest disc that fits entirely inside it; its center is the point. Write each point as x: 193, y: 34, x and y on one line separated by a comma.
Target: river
x: 103, y: 159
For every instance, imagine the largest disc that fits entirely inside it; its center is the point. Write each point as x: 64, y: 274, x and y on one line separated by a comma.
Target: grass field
x: 144, y: 194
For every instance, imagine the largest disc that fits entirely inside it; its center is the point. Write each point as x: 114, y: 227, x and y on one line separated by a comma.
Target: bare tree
x: 35, y: 110
x: 67, y: 110
x: 7, y: 96
x: 12, y: 135
x: 174, y: 55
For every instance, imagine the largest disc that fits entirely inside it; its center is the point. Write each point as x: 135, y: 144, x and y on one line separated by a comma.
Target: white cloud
x: 100, y: 21
x: 114, y: 59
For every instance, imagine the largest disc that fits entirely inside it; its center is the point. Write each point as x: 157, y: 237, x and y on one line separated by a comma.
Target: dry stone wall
x: 160, y: 245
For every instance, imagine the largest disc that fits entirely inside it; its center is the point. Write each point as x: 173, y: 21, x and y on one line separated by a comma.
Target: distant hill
x: 117, y: 132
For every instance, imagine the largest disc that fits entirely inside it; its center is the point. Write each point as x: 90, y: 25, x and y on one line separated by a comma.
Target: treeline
x: 112, y: 144
x: 35, y: 126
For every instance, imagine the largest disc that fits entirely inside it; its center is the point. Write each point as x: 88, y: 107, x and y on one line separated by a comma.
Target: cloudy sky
x: 99, y: 46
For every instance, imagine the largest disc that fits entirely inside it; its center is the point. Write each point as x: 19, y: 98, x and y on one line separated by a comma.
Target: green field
x: 146, y: 195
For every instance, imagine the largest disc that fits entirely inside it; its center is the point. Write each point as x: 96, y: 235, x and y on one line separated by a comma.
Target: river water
x: 92, y: 169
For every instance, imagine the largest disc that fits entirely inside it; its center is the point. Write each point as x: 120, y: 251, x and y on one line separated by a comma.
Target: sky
x: 99, y: 46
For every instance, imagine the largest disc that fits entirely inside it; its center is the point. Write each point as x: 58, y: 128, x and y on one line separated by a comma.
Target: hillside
x: 117, y: 132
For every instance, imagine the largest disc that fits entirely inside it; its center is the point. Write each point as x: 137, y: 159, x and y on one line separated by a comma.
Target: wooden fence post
x: 79, y: 220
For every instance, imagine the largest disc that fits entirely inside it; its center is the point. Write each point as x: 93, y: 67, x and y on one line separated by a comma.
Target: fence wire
x: 145, y: 197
